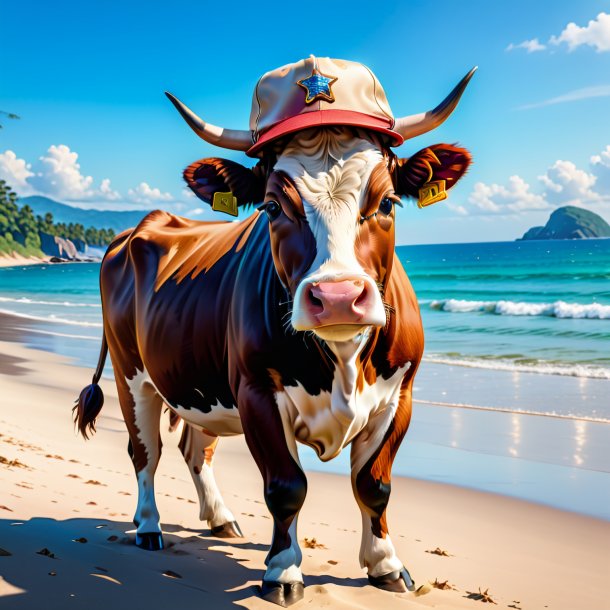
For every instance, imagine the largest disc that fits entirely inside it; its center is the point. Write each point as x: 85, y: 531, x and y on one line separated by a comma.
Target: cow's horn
x: 416, y: 124
x: 235, y: 139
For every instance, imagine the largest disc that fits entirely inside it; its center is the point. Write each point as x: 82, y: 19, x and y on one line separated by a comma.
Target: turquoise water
x: 525, y: 306
x: 541, y: 307
x: 528, y: 306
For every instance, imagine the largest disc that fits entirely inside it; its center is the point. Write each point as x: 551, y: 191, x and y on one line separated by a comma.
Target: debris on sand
x: 481, y: 596
x: 312, y: 543
x: 13, y: 463
x: 47, y: 553
x: 2, y: 507
x: 439, y: 551
x: 444, y: 585
x: 108, y: 578
x: 332, y: 562
x: 423, y: 589
x: 94, y: 482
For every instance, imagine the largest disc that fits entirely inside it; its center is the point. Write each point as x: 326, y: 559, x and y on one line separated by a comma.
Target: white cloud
x: 531, y: 46
x: 107, y: 191
x: 595, y: 34
x: 600, y: 167
x: 58, y: 174
x: 561, y: 184
x: 15, y: 171
x: 572, y: 96
x: 567, y: 185
x: 143, y: 193
x: 500, y: 199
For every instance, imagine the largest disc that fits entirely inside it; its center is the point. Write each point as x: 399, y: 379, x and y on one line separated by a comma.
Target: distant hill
x: 118, y: 221
x: 570, y: 222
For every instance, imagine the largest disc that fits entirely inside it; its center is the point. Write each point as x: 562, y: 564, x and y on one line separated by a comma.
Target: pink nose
x: 344, y: 302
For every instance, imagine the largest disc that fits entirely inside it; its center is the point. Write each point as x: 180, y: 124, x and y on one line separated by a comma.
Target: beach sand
x: 76, y: 499
x: 16, y: 260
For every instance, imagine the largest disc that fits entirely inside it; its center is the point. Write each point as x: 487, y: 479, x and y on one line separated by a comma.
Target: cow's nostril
x: 318, y: 306
x: 363, y: 295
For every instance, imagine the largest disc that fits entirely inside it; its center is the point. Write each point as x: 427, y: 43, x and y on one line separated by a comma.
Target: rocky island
x: 570, y: 222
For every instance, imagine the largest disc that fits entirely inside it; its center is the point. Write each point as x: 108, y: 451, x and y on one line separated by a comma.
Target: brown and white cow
x: 296, y: 324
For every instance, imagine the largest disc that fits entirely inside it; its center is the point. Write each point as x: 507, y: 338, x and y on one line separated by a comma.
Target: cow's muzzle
x: 338, y: 309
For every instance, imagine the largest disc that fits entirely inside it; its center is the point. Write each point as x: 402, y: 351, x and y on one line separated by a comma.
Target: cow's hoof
x: 282, y: 594
x: 398, y: 581
x: 150, y: 542
x: 227, y: 530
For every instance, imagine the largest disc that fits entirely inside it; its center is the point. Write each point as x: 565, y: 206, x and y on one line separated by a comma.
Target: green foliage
x: 20, y: 229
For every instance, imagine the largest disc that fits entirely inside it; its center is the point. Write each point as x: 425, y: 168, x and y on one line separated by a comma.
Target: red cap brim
x: 320, y: 118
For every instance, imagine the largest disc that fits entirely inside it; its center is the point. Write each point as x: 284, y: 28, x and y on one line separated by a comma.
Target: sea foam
x: 557, y: 309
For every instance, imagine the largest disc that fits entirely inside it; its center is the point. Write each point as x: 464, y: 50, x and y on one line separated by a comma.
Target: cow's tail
x: 91, y: 399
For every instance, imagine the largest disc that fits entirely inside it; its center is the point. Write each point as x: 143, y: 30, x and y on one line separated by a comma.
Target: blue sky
x: 88, y: 80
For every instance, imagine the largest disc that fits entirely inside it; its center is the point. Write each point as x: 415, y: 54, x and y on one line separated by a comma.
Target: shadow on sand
x: 96, y: 565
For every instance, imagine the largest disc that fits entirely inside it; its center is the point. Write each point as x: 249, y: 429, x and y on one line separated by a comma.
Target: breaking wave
x: 557, y: 309
x: 27, y: 301
x: 589, y: 371
x: 51, y: 318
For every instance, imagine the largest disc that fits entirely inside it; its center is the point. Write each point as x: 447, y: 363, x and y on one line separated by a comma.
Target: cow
x: 294, y: 324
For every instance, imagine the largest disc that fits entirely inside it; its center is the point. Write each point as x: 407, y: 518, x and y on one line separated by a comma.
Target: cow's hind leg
x: 373, y: 452
x: 141, y: 406
x: 198, y: 450
x: 274, y: 450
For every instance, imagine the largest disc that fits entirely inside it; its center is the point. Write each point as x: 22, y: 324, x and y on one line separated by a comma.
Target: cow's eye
x: 386, y: 206
x: 273, y: 209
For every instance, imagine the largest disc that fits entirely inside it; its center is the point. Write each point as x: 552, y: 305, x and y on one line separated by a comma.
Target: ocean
x: 519, y: 328
x: 537, y: 306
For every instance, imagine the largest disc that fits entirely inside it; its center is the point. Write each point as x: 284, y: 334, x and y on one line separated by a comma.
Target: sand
x: 16, y: 260
x: 76, y: 499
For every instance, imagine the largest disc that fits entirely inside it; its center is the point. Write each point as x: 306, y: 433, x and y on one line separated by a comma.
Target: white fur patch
x: 330, y: 420
x: 220, y: 420
x: 285, y: 566
x: 147, y: 415
x: 211, y: 505
x: 377, y: 555
x: 331, y: 169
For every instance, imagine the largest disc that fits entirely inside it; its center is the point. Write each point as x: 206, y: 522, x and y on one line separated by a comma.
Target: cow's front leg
x: 274, y: 449
x: 373, y: 452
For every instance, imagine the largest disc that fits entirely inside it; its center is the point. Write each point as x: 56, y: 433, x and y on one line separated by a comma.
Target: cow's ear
x: 439, y: 162
x: 208, y: 176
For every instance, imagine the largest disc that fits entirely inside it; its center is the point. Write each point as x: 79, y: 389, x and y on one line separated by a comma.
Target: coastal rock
x: 570, y: 222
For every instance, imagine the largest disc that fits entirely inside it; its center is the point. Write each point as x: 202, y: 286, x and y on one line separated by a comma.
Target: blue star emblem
x: 317, y: 87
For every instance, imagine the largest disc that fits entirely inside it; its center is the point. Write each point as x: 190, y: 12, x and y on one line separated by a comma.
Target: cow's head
x: 330, y: 194
x: 330, y: 199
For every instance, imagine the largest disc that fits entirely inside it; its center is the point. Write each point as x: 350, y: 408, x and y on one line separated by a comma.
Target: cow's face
x: 330, y: 201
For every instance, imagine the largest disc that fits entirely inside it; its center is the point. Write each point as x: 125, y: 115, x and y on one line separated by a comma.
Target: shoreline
x: 16, y: 260
x: 70, y: 489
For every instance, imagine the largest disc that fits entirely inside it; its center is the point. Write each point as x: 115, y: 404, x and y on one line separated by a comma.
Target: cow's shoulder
x: 179, y: 247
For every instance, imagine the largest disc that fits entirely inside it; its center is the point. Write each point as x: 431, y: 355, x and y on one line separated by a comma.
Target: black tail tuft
x: 87, y: 408
x: 91, y: 399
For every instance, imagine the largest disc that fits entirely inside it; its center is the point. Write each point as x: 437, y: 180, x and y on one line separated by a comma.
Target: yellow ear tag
x: 431, y: 192
x: 225, y: 202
